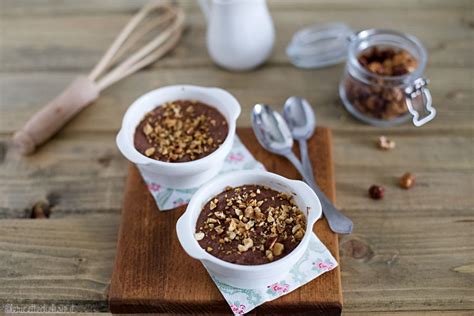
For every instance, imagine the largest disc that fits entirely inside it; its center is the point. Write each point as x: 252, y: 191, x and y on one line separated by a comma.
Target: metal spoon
x: 301, y: 120
x: 274, y: 135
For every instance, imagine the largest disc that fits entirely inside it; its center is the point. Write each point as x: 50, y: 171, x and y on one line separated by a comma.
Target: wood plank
x: 57, y: 261
x: 58, y: 41
x: 85, y: 173
x: 163, y: 279
x: 452, y: 96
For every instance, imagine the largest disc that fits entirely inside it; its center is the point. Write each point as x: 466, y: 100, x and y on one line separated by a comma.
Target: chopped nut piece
x: 150, y: 151
x: 295, y: 228
x: 299, y: 234
x: 249, y: 211
x: 147, y: 129
x: 199, y: 236
x: 249, y: 225
x: 247, y: 244
x: 232, y: 225
x: 209, y: 249
x: 278, y: 249
x: 212, y: 205
x: 269, y: 255
x: 385, y: 143
x: 232, y: 235
x: 241, y: 248
x: 219, y: 215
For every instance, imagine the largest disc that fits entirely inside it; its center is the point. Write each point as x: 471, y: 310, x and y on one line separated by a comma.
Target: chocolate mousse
x: 250, y: 225
x: 180, y: 131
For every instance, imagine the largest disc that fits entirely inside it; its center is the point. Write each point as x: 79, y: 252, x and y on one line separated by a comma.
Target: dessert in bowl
x: 262, y: 233
x: 179, y: 136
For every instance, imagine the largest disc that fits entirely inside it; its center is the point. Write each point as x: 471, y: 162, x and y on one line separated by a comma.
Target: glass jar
x: 383, y: 100
x: 373, y: 97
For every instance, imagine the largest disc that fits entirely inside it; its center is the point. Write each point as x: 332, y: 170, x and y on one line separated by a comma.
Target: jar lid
x: 320, y: 45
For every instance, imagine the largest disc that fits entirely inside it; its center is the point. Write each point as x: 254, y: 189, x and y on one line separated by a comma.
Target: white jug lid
x: 320, y: 45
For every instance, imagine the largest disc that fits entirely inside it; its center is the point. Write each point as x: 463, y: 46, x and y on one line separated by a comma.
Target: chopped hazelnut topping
x: 147, y: 129
x: 199, y: 236
x: 252, y: 228
x: 278, y: 249
x: 295, y: 228
x: 269, y: 255
x: 180, y: 131
x: 212, y: 205
x: 150, y: 151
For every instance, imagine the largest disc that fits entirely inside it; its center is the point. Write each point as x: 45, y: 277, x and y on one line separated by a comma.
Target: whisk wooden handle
x: 47, y: 121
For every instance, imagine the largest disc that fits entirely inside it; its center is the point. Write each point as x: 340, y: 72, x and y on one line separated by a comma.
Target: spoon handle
x: 337, y: 221
x: 307, y: 167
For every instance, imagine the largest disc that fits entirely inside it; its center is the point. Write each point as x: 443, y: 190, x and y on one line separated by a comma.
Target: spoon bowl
x: 300, y: 117
x: 271, y: 130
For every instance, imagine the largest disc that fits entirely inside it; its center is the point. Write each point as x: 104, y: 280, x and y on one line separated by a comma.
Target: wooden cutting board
x: 153, y: 274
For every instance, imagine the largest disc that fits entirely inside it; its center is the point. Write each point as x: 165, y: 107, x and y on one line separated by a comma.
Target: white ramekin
x: 182, y: 174
x: 247, y: 276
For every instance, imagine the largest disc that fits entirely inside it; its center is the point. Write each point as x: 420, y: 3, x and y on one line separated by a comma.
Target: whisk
x: 122, y: 59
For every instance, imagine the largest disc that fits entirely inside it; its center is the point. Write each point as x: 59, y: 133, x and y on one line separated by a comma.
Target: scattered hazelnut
x: 407, y: 180
x: 385, y: 143
x: 376, y: 192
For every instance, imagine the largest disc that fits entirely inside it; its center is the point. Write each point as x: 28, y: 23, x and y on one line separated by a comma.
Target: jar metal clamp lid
x: 323, y: 45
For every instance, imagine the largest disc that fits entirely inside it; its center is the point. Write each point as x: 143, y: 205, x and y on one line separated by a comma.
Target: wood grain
x: 411, y: 254
x: 60, y: 260
x: 453, y: 97
x: 162, y: 278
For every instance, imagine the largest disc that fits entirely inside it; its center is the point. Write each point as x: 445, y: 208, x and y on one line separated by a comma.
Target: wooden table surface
x: 412, y: 252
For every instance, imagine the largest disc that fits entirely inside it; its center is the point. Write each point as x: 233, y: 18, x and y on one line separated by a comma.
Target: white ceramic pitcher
x: 240, y: 33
